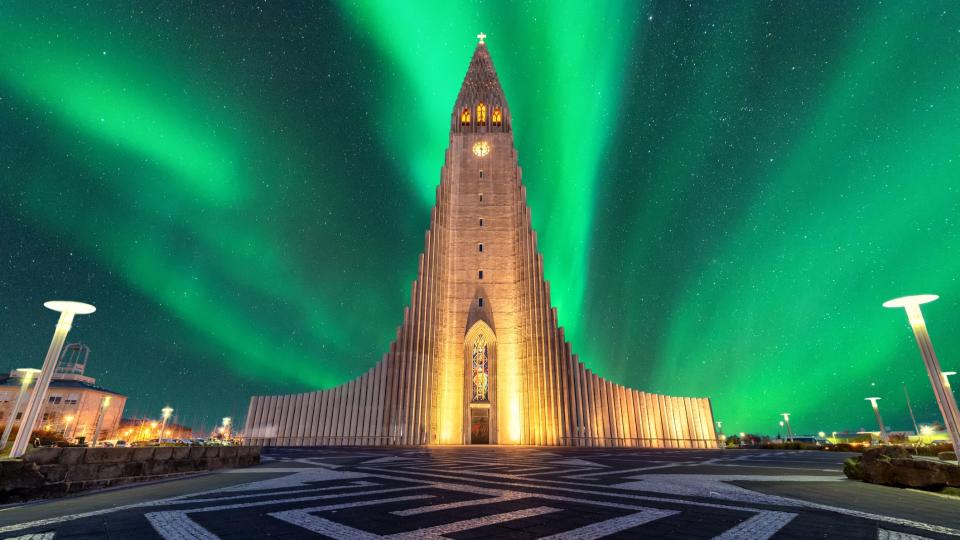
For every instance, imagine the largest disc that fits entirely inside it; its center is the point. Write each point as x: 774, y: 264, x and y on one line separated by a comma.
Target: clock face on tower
x: 481, y: 148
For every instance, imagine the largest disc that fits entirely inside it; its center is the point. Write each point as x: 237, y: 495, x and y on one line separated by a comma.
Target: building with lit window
x: 73, y: 402
x: 479, y: 357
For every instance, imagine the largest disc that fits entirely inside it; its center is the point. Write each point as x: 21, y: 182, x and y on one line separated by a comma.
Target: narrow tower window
x: 481, y: 222
x: 481, y: 114
x: 480, y: 248
x: 480, y: 274
x: 481, y: 173
x: 481, y: 197
x: 465, y: 117
x: 480, y: 302
x: 497, y: 116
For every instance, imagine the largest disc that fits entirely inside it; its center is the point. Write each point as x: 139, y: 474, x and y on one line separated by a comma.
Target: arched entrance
x: 480, y: 351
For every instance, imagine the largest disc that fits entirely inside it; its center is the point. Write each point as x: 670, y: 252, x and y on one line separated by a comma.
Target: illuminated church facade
x: 480, y: 357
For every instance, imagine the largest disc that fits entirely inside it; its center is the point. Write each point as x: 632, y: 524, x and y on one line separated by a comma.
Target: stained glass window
x: 481, y: 369
x: 465, y: 117
x: 497, y: 116
x: 481, y: 114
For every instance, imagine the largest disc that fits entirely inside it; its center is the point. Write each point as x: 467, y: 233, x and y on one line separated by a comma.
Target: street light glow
x: 28, y: 374
x: 64, y: 306
x: 912, y: 300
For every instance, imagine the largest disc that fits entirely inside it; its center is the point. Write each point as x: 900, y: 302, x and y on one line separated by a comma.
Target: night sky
x: 724, y: 192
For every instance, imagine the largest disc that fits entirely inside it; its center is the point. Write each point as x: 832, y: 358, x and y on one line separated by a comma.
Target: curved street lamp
x: 786, y: 418
x: 166, y: 412
x: 945, y: 399
x: 39, y: 396
x: 876, y: 411
x: 27, y: 376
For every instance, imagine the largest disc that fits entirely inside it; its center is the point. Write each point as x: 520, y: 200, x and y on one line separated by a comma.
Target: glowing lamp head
x: 907, y: 301
x: 873, y: 400
x: 926, y: 430
x: 28, y: 374
x: 227, y: 421
x: 742, y: 434
x: 786, y: 416
x: 64, y: 306
x: 912, y: 305
x: 167, y: 411
x: 821, y: 434
x: 68, y: 418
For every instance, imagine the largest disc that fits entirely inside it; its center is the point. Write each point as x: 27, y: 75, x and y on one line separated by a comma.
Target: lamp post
x: 66, y: 425
x: 35, y: 405
x: 166, y: 412
x: 913, y: 418
x: 945, y: 399
x: 28, y: 375
x: 876, y: 411
x: 786, y: 418
x: 781, y: 429
x: 226, y: 426
x: 104, y: 403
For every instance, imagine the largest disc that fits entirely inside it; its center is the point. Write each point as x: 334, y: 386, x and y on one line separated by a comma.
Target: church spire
x: 481, y: 104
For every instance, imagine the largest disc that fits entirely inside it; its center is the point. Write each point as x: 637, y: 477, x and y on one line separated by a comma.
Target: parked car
x: 121, y: 444
x: 106, y: 444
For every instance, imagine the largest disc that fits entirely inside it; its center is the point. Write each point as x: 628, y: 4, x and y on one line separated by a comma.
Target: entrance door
x: 479, y: 425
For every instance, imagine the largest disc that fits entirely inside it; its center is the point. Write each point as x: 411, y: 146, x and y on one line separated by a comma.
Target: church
x: 480, y: 358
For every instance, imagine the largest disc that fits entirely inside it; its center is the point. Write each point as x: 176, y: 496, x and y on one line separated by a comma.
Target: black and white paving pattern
x: 497, y: 492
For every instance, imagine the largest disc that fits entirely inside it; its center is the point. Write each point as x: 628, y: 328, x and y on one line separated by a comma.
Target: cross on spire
x: 481, y: 36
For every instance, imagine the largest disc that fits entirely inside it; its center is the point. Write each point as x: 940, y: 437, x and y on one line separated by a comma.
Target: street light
x: 946, y: 379
x: 786, y: 418
x: 876, y: 411
x: 166, y: 412
x: 104, y: 403
x: 226, y: 426
x: 66, y: 425
x: 781, y: 429
x: 945, y: 400
x: 28, y: 375
x: 39, y: 396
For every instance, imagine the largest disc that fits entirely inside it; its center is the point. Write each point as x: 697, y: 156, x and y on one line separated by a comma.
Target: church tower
x: 479, y: 357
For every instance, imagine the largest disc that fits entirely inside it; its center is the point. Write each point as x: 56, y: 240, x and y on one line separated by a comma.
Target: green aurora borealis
x: 724, y: 193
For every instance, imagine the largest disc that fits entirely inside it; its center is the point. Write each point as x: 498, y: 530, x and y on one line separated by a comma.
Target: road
x: 500, y: 492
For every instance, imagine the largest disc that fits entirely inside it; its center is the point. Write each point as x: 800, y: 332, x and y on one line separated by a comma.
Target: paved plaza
x: 497, y: 492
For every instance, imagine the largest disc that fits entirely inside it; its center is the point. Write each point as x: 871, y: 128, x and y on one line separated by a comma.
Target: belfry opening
x: 479, y: 357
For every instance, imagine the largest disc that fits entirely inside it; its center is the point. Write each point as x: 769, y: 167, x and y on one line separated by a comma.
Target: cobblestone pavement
x: 496, y: 492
